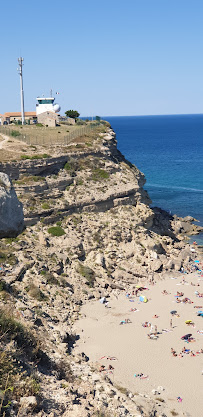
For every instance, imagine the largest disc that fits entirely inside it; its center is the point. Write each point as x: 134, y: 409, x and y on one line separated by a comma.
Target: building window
x: 45, y: 101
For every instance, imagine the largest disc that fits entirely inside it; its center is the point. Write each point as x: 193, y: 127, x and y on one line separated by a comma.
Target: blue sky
x: 112, y: 57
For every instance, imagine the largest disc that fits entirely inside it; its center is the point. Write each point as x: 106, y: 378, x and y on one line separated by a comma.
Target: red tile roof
x: 18, y: 114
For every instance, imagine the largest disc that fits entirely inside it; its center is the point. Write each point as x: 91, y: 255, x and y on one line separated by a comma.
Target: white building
x: 46, y: 105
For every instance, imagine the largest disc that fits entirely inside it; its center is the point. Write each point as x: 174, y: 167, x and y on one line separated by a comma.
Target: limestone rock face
x: 11, y: 210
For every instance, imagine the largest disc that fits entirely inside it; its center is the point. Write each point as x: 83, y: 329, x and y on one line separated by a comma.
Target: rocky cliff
x: 90, y: 232
x: 11, y: 210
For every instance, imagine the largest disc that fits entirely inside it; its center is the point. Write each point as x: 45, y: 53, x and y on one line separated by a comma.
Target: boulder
x: 100, y: 260
x: 156, y: 265
x: 11, y: 210
x: 28, y: 403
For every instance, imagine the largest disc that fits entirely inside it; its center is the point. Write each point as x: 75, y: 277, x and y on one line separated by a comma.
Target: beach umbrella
x: 187, y: 336
x: 173, y: 312
x: 188, y: 321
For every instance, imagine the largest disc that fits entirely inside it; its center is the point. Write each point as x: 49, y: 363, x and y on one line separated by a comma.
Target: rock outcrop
x: 11, y: 210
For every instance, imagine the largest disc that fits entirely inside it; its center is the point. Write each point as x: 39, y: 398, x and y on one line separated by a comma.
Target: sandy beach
x: 133, y: 352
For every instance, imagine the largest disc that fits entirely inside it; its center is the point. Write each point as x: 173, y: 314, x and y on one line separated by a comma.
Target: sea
x: 169, y: 151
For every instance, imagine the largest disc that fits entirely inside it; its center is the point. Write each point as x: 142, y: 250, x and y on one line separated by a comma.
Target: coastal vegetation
x: 73, y: 114
x: 56, y: 231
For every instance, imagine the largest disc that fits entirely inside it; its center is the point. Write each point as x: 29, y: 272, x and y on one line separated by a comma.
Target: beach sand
x: 101, y: 335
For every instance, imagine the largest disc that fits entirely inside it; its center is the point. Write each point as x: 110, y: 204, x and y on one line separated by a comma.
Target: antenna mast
x: 20, y: 70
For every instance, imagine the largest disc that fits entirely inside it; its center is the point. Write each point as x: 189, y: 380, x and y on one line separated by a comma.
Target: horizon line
x: 149, y: 115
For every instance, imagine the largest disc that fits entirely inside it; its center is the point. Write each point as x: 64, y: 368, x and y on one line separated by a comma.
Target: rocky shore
x: 89, y: 231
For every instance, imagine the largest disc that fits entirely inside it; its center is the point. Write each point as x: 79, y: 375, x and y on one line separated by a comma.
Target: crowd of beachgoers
x: 148, y: 312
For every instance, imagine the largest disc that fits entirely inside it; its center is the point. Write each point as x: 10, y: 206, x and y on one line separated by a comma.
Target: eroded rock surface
x: 11, y: 210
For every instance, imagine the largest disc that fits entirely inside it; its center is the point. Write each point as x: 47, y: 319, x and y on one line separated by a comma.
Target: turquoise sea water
x: 169, y: 151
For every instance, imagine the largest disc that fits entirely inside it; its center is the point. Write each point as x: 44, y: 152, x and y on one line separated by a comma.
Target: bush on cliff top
x: 15, y: 133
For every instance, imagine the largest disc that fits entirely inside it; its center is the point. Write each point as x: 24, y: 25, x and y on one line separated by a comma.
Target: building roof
x: 45, y: 98
x: 18, y: 114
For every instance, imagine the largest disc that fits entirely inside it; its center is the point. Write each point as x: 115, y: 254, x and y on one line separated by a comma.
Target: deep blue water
x: 169, y: 151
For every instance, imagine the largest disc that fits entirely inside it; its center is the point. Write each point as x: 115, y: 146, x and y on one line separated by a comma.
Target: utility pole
x: 20, y: 70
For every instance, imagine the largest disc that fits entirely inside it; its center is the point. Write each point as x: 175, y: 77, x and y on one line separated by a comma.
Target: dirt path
x: 4, y: 141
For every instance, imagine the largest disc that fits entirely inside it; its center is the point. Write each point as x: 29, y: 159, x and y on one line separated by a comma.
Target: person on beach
x: 152, y: 329
x: 171, y: 323
x: 173, y: 352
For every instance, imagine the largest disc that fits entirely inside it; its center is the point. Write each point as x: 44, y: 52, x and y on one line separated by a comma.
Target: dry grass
x: 36, y: 140
x: 40, y: 135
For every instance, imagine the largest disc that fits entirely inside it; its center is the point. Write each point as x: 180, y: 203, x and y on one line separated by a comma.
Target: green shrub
x: 72, y: 165
x: 36, y: 293
x: 80, y: 122
x: 67, y: 166
x: 56, y: 231
x: 30, y: 178
x: 42, y: 156
x: 45, y: 206
x: 2, y: 285
x: 15, y: 133
x: 51, y: 280
x: 79, y: 181
x: 7, y: 257
x: 12, y: 329
x: 99, y: 174
x: 87, y: 273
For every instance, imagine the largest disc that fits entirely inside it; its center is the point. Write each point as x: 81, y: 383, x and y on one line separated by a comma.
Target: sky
x: 107, y: 57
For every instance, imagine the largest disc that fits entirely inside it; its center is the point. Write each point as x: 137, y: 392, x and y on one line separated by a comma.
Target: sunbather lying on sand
x: 146, y: 324
x: 141, y: 376
x: 173, y: 352
x: 152, y: 336
x: 125, y: 321
x: 179, y: 294
x: 164, y: 292
x: 112, y: 358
